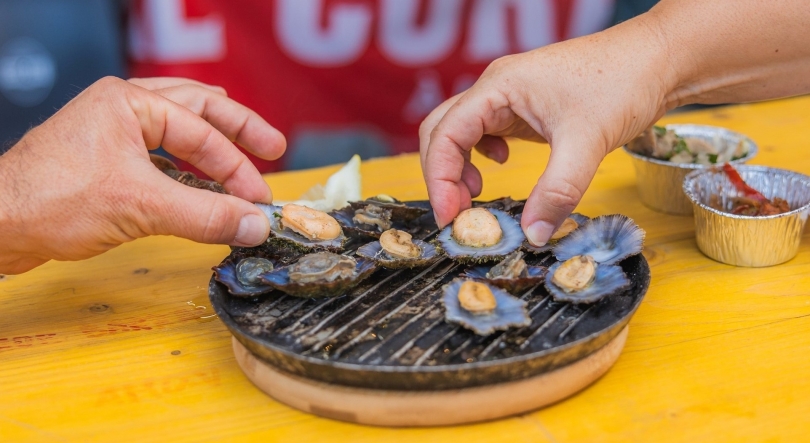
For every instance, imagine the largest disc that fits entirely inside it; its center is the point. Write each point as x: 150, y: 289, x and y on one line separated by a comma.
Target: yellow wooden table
x: 123, y: 347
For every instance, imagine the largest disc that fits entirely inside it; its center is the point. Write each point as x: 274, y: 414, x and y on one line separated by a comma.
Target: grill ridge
x: 391, y: 294
x: 391, y: 313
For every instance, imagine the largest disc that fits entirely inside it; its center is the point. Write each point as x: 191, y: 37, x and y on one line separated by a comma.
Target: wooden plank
x: 88, y: 350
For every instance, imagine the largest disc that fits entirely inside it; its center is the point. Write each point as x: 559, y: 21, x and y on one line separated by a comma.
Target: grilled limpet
x: 319, y: 274
x: 511, y: 274
x: 581, y: 280
x: 482, y: 308
x: 397, y: 249
x: 480, y: 235
x: 243, y: 277
x: 304, y: 228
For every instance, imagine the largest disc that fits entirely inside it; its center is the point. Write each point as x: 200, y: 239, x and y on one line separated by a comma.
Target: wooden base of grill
x: 433, y: 408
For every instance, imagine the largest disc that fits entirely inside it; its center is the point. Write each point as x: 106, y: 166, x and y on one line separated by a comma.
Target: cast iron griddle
x: 389, y: 332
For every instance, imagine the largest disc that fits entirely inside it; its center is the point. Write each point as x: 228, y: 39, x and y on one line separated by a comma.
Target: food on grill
x: 572, y: 223
x: 249, y: 270
x: 242, y: 277
x: 399, y: 244
x: 513, y: 266
x: 373, y: 215
x: 399, y: 210
x: 608, y: 239
x: 662, y: 143
x: 505, y: 204
x: 511, y: 274
x: 481, y: 308
x: 305, y: 228
x: 480, y: 235
x: 476, y: 298
x: 575, y: 274
x: 581, y: 280
x: 586, y: 271
x: 319, y: 274
x: 477, y: 228
x: 364, y: 222
x: 397, y: 249
x: 751, y: 202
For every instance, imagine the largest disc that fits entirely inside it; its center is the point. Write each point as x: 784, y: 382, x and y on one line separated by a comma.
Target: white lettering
x: 407, y: 43
x: 164, y: 34
x: 489, y: 38
x: 302, y: 37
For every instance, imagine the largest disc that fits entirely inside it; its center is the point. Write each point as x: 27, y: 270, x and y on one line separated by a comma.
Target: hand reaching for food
x: 588, y: 96
x: 82, y: 182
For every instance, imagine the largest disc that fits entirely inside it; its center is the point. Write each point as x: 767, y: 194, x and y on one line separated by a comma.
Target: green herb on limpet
x: 277, y: 215
x: 660, y: 131
x: 712, y: 158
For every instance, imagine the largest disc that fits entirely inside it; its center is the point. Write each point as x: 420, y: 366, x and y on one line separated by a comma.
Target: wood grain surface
x: 122, y: 347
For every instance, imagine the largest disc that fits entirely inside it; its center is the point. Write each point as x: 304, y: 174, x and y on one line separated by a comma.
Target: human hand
x: 82, y: 182
x: 585, y: 97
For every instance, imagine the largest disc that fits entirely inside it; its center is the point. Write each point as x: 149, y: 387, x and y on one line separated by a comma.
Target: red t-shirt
x: 341, y: 76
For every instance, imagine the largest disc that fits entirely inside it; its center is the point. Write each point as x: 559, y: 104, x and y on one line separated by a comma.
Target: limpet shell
x: 374, y: 251
x: 609, y: 279
x: 609, y: 239
x: 511, y: 240
x: 528, y: 247
x: 227, y: 274
x: 509, y: 311
x: 280, y: 279
x: 277, y: 233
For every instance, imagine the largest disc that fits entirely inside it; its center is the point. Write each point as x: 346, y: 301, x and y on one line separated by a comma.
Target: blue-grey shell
x: 400, y: 211
x: 509, y: 311
x: 375, y: 252
x: 536, y: 275
x: 279, y: 279
x: 528, y: 247
x: 226, y: 274
x: 345, y: 216
x: 273, y: 213
x: 608, y: 239
x: 510, y: 241
x: 609, y: 279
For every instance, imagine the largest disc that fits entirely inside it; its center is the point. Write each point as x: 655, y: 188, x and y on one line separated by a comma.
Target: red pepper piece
x: 741, y: 186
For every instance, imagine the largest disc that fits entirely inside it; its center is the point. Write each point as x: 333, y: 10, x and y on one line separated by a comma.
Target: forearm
x: 13, y: 259
x: 734, y: 50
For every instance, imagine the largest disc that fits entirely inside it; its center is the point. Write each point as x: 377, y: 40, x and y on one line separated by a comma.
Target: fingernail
x: 497, y: 158
x: 436, y: 218
x: 252, y: 230
x: 539, y: 232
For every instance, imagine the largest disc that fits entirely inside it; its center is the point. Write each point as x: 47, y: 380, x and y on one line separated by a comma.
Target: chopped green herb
x: 276, y: 215
x: 680, y: 146
x: 660, y: 130
x: 712, y: 158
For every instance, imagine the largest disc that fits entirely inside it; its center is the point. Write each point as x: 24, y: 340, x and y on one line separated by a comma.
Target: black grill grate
x: 389, y: 332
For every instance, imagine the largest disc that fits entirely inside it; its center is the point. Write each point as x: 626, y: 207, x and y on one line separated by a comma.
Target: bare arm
x: 589, y: 95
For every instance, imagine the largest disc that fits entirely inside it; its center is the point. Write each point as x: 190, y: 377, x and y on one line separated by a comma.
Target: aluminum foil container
x: 659, y: 181
x: 746, y: 240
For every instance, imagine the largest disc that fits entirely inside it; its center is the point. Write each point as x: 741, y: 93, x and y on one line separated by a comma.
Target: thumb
x: 570, y: 169
x: 205, y: 216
